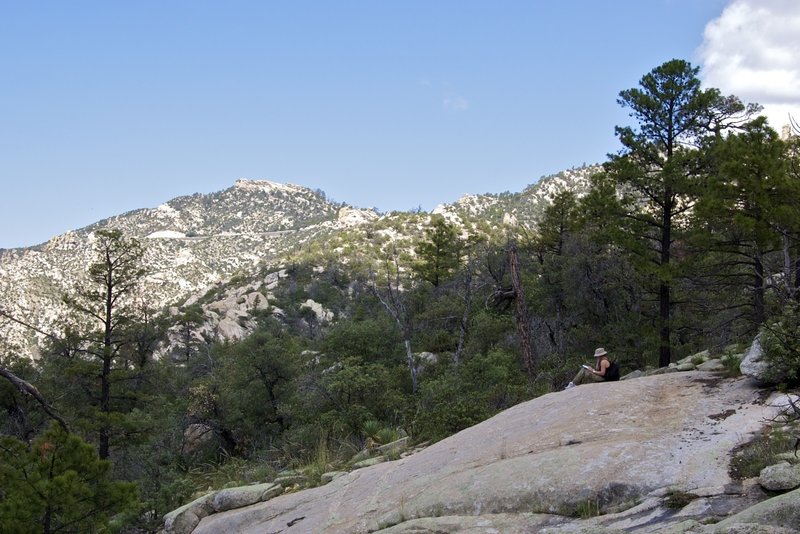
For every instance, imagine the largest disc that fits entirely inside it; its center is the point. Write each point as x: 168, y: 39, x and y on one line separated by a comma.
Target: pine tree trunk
x: 758, y: 290
x: 664, y: 289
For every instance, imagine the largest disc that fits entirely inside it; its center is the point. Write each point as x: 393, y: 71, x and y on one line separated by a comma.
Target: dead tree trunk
x: 521, y: 315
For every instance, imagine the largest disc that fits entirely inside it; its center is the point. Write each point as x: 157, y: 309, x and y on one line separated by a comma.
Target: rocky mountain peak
x: 268, y: 186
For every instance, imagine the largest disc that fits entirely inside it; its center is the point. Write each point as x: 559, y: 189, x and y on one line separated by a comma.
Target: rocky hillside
x: 651, y: 454
x: 191, y: 243
x: 199, y: 242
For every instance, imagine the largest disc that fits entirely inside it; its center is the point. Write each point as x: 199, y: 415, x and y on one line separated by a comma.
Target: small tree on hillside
x: 107, y: 303
x: 439, y: 253
x: 389, y: 289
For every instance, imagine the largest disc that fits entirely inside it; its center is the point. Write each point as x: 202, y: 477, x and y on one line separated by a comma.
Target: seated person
x: 597, y: 374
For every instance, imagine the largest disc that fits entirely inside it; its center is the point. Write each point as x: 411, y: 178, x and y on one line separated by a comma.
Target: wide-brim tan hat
x: 600, y: 352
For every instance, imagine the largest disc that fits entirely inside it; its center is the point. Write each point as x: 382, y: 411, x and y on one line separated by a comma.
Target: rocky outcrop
x: 232, y: 498
x: 199, y: 440
x: 781, y: 513
x: 185, y: 519
x: 752, y: 364
x: 619, y: 449
x: 780, y: 477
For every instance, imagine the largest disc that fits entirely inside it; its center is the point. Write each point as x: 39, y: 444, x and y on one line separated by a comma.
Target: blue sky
x: 107, y: 107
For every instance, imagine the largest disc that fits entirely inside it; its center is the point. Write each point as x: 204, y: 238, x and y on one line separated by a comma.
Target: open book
x: 587, y: 367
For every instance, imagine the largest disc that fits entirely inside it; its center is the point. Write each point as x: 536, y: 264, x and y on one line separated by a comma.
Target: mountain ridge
x: 196, y: 242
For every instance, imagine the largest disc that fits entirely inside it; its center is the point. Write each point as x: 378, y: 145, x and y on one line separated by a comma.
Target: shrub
x: 677, y: 499
x: 749, y: 459
x: 732, y: 362
x: 781, y: 343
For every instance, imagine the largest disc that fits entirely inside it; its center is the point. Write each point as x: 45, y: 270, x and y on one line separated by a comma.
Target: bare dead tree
x: 24, y: 386
x: 521, y: 315
x: 393, y: 299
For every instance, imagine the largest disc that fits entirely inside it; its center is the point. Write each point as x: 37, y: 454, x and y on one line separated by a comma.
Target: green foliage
x: 739, y: 217
x: 625, y: 267
x: 658, y: 175
x: 110, y: 348
x: 229, y: 472
x: 369, y: 339
x: 58, y: 484
x: 254, y: 383
x: 781, y: 342
x: 732, y: 362
x: 749, y: 459
x: 677, y: 499
x: 20, y: 416
x: 588, y: 508
x: 559, y: 220
x: 439, y: 253
x: 469, y: 393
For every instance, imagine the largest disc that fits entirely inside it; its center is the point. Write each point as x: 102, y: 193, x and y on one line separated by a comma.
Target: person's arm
x: 604, y: 364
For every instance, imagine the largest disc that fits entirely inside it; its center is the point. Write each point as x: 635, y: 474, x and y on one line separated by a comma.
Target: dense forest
x: 687, y: 240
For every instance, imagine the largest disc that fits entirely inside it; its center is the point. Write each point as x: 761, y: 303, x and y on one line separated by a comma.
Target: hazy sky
x: 107, y: 107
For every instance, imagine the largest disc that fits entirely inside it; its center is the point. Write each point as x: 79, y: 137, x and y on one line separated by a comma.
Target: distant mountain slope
x: 525, y: 207
x: 193, y: 243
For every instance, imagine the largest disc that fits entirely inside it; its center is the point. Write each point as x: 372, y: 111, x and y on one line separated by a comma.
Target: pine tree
x: 59, y: 484
x: 739, y: 208
x: 106, y: 303
x: 659, y: 169
x: 439, y: 253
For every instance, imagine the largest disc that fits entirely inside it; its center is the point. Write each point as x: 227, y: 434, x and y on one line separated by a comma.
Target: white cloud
x: 455, y: 103
x: 753, y: 51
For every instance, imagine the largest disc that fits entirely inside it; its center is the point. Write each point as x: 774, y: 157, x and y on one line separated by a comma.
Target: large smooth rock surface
x: 606, y: 444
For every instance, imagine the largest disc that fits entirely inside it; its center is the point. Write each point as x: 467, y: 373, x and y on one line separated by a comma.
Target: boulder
x: 232, y: 498
x: 500, y: 523
x: 185, y: 519
x: 199, y: 441
x: 788, y: 457
x: 711, y: 365
x: 230, y: 329
x: 331, y: 475
x: 638, y: 373
x: 683, y: 367
x: 700, y: 356
x: 394, y: 448
x: 782, y: 511
x: 753, y: 364
x: 360, y: 456
x: 780, y: 477
x: 323, y: 315
x: 369, y: 462
x: 754, y: 528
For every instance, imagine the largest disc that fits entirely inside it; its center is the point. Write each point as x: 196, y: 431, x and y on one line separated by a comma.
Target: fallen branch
x: 26, y: 387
